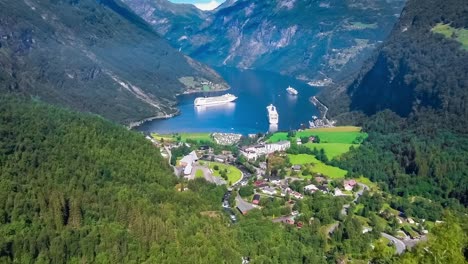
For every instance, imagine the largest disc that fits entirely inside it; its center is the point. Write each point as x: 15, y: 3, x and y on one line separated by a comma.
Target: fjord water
x: 255, y: 91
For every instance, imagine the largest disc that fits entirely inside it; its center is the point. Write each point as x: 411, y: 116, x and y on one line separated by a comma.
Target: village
x: 278, y: 175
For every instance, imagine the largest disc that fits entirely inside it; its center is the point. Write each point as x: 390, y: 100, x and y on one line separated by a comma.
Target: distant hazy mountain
x: 424, y: 64
x: 91, y: 55
x: 305, y: 39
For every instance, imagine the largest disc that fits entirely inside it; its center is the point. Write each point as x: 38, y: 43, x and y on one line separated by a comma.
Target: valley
x: 343, y: 139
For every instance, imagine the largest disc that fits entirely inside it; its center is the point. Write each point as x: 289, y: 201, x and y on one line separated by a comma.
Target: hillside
x: 310, y: 40
x: 92, y: 56
x: 423, y: 64
x: 75, y: 188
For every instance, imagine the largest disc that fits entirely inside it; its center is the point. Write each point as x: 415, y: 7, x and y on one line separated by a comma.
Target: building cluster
x: 226, y: 139
x: 253, y: 152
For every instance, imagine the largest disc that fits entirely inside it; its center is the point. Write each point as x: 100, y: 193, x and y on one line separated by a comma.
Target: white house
x: 269, y: 191
x: 310, y: 188
x: 187, y: 162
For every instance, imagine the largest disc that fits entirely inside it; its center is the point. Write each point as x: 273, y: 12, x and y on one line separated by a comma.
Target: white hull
x: 292, y: 91
x: 273, y: 116
x: 217, y: 100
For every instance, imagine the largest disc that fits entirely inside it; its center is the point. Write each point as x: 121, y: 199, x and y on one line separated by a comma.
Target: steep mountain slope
x: 92, y: 56
x: 305, y: 39
x: 418, y: 67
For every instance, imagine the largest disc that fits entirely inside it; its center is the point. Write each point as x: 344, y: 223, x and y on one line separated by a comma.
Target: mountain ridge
x: 416, y: 71
x: 93, y: 56
x: 321, y: 40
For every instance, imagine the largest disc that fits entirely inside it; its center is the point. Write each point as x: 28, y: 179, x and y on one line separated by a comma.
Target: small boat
x: 291, y: 91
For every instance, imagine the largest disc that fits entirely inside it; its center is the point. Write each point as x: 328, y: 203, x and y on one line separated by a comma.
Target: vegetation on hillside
x: 77, y: 188
x: 92, y: 56
x: 415, y: 69
x: 412, y: 157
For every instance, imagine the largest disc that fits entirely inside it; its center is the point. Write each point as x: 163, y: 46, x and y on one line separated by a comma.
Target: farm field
x: 319, y: 167
x: 233, y: 173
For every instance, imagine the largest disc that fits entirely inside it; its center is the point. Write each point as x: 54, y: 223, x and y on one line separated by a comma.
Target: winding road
x: 400, y: 246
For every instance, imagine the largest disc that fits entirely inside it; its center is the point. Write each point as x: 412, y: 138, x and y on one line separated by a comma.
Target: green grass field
x: 347, y: 135
x: 458, y: 34
x: 233, y: 173
x: 184, y: 136
x: 199, y: 174
x: 335, y: 141
x: 332, y: 150
x: 319, y: 167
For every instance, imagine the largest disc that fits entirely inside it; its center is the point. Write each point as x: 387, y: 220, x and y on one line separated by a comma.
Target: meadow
x: 335, y: 141
x: 458, y: 34
x: 233, y: 173
x: 318, y: 166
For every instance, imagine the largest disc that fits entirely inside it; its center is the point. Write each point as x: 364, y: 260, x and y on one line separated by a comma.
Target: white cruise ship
x: 273, y: 116
x: 215, y: 100
x: 291, y: 91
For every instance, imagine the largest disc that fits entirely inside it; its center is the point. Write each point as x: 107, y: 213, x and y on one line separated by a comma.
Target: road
x: 176, y: 172
x: 344, y: 210
x: 400, y: 246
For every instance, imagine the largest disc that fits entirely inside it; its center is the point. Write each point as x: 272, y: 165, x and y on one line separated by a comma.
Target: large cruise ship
x: 273, y: 116
x: 215, y: 100
x: 291, y: 91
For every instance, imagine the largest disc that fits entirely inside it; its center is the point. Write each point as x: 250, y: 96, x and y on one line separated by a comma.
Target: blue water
x: 255, y: 90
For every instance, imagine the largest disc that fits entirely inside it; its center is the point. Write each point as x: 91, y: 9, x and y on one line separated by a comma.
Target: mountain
x: 311, y: 40
x: 423, y: 65
x: 93, y: 56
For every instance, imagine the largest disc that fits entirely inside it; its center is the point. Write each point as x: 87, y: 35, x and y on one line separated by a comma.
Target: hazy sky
x: 202, y: 4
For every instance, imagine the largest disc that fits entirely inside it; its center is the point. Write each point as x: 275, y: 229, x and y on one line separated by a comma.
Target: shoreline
x: 177, y: 112
x: 136, y: 124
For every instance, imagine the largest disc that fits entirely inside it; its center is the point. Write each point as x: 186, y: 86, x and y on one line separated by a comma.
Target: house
x: 284, y: 219
x: 323, y: 189
x: 296, y: 167
x: 338, y: 192
x: 299, y: 141
x: 188, y: 169
x: 187, y: 162
x: 249, y: 153
x: 349, y: 184
x: 204, y: 147
x: 256, y: 199
x: 189, y: 159
x: 296, y: 195
x: 278, y: 146
x: 269, y: 190
x: 311, y: 188
x: 320, y: 179
x: 260, y: 184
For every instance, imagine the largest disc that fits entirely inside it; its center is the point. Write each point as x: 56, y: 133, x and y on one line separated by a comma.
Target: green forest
x: 76, y: 188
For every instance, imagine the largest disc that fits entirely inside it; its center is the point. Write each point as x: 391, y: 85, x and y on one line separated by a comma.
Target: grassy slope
x: 461, y: 34
x: 233, y: 173
x: 319, y: 167
x: 334, y: 141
